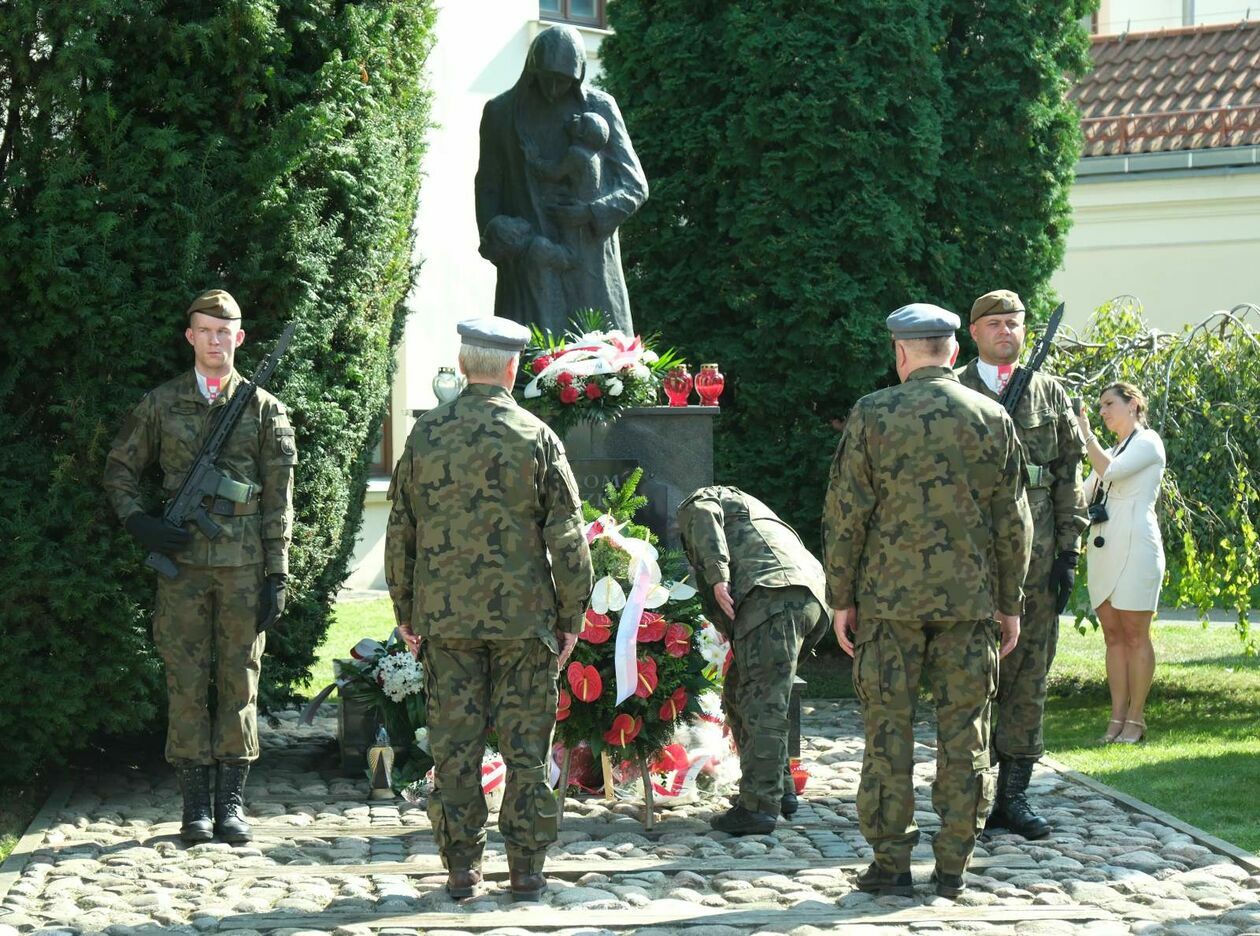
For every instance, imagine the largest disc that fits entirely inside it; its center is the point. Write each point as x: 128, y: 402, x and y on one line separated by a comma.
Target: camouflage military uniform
x: 485, y: 558
x: 778, y: 589
x: 1053, y: 449
x: 925, y: 500
x: 210, y: 611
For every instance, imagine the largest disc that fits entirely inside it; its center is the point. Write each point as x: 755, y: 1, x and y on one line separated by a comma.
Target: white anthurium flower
x: 607, y: 596
x: 681, y: 591
x: 615, y: 387
x: 657, y: 595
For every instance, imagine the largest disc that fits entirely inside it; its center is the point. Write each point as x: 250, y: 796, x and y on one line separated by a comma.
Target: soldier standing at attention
x: 229, y: 590
x: 488, y: 567
x: 766, y: 593
x: 925, y: 513
x: 1053, y: 449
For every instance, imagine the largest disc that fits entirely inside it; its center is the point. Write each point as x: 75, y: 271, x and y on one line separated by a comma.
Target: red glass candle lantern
x: 800, y: 775
x: 677, y: 385
x: 709, y: 384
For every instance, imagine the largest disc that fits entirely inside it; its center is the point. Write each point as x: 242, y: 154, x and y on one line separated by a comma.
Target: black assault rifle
x: 1014, y: 391
x: 204, y: 479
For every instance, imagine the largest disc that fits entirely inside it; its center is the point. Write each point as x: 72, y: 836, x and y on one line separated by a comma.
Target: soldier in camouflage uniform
x: 1053, y: 448
x: 766, y: 593
x: 488, y: 566
x: 229, y: 589
x: 926, y: 536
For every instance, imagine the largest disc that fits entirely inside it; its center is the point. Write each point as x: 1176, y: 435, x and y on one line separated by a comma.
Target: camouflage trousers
x: 1021, y: 697
x: 770, y: 627
x: 205, y: 624
x: 472, y: 684
x: 958, y: 660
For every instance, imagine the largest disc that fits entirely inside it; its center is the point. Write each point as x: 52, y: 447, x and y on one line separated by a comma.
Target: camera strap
x: 1107, y: 490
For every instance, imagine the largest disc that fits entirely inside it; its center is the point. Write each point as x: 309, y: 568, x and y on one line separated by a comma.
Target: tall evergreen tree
x: 151, y: 149
x: 814, y: 166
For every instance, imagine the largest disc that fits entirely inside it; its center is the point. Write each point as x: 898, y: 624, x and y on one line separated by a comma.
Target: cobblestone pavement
x: 110, y: 861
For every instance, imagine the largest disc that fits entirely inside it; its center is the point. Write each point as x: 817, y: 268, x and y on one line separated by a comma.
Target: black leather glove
x: 1063, y: 578
x: 155, y: 534
x: 271, y: 601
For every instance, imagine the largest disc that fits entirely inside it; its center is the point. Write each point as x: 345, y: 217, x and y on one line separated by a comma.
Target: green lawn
x: 1201, y: 759
x: 18, y: 806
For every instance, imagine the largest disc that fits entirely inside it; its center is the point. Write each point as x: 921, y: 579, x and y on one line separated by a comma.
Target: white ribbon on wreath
x: 646, y: 593
x: 592, y: 355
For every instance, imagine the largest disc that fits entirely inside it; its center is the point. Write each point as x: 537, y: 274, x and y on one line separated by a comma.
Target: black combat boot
x: 1019, y: 816
x: 877, y: 880
x: 789, y: 804
x: 194, y: 785
x: 229, y: 804
x: 997, y: 814
x: 740, y: 821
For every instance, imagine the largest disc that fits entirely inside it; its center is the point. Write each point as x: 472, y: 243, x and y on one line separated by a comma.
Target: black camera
x: 1097, y: 513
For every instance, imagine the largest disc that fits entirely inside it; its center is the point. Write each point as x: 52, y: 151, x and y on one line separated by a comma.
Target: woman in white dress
x: 1125, y: 552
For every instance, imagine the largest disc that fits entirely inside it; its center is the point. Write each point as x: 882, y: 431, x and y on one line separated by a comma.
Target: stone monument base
x: 672, y: 444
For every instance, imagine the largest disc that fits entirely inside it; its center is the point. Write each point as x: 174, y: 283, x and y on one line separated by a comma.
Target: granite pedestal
x: 672, y: 444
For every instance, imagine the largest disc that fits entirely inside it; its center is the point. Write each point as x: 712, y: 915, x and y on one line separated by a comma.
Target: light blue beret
x: 495, y: 332
x: 922, y: 320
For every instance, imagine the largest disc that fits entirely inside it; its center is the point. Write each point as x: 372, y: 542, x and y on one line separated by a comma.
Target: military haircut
x: 484, y: 363
x: 928, y: 347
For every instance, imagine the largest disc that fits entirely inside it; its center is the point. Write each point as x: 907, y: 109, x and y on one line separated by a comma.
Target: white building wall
x: 1186, y: 245
x: 479, y: 53
x: 1117, y: 16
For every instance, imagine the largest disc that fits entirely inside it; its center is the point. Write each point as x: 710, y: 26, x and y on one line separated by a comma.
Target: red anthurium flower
x: 584, y: 681
x: 597, y: 629
x: 651, y: 627
x: 673, y: 757
x: 624, y: 730
x: 568, y: 395
x: 564, y: 705
x: 674, y: 705
x: 647, y: 678
x: 677, y: 640
x: 564, y: 378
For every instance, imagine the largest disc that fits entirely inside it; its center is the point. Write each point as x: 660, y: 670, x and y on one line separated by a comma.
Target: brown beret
x: 216, y: 302
x: 995, y: 303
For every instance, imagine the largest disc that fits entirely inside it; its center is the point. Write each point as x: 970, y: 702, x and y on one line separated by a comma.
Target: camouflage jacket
x: 168, y: 427
x: 1053, y: 450
x: 485, y: 538
x: 925, y: 513
x: 730, y: 536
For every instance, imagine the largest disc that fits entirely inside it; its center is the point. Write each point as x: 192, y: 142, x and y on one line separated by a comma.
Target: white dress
x: 1129, y: 567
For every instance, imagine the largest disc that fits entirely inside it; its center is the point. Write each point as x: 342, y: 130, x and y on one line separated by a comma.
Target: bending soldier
x: 1053, y: 449
x: 489, y: 569
x: 766, y: 593
x: 229, y: 589
x: 925, y: 514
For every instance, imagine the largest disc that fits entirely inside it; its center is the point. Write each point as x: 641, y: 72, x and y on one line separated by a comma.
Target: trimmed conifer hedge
x: 149, y: 151
x: 814, y: 166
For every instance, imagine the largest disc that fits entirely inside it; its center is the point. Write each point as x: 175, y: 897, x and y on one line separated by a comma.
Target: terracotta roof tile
x: 1196, y: 87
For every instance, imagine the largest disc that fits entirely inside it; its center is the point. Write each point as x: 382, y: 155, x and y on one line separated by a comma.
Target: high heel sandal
x: 1107, y: 737
x: 1120, y: 739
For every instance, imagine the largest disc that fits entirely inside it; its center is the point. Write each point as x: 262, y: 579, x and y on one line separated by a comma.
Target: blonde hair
x: 1130, y: 394
x: 480, y: 363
